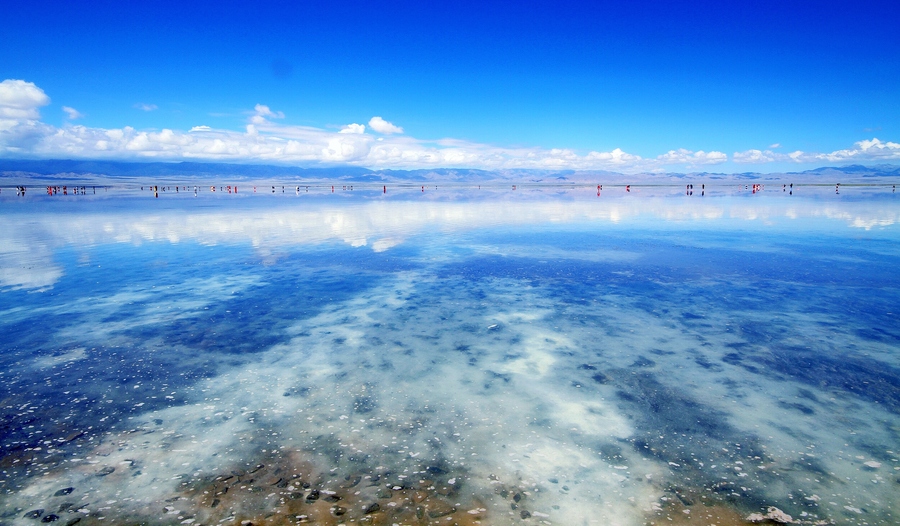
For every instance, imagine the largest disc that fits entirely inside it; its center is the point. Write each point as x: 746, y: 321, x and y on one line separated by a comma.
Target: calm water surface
x: 450, y: 356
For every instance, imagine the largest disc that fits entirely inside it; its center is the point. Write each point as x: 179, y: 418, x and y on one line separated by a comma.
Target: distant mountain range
x: 72, y: 169
x: 858, y: 169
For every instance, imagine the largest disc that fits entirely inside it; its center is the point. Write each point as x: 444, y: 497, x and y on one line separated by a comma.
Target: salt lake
x: 450, y: 355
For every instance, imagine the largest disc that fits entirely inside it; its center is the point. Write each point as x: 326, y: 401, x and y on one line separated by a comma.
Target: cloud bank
x: 22, y: 133
x: 862, y: 151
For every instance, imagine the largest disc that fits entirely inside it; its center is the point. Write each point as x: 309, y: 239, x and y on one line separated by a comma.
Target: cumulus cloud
x: 200, y: 128
x: 382, y: 126
x: 873, y: 149
x: 20, y: 100
x: 353, y: 128
x: 72, y: 113
x: 757, y: 156
x: 20, y: 129
x: 686, y: 157
x: 146, y: 107
x: 867, y: 150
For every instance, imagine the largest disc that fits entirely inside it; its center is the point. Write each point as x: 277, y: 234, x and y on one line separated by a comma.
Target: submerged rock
x: 439, y: 509
x: 774, y: 515
x: 64, y: 491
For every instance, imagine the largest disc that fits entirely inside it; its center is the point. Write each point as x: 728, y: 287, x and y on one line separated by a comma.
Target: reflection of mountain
x: 244, y: 172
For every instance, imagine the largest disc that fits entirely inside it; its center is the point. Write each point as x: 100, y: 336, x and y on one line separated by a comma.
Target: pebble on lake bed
x: 774, y: 515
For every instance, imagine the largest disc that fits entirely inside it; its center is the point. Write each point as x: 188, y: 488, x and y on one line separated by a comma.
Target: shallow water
x: 450, y: 355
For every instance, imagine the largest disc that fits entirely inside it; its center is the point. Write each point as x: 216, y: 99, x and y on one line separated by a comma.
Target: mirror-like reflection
x: 450, y: 355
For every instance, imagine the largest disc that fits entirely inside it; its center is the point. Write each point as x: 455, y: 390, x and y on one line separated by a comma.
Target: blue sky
x: 722, y: 86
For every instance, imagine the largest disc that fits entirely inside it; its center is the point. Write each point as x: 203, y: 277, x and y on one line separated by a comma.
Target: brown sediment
x: 675, y: 513
x: 290, y: 490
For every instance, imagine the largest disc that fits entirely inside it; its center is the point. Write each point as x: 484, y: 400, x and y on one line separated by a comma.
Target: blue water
x: 452, y: 355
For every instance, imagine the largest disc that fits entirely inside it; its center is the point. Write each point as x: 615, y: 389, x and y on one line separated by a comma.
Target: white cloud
x: 20, y: 129
x: 774, y: 146
x: 353, y: 128
x: 264, y: 111
x: 72, y: 113
x: 865, y: 150
x: 682, y: 156
x: 758, y: 156
x: 262, y: 114
x: 614, y: 158
x: 382, y: 126
x: 20, y: 100
x: 146, y: 107
x: 267, y: 140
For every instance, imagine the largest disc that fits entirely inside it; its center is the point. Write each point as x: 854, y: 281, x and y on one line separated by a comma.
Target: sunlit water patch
x: 506, y: 357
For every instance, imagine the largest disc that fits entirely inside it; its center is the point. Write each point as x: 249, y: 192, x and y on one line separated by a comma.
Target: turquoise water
x: 450, y: 355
